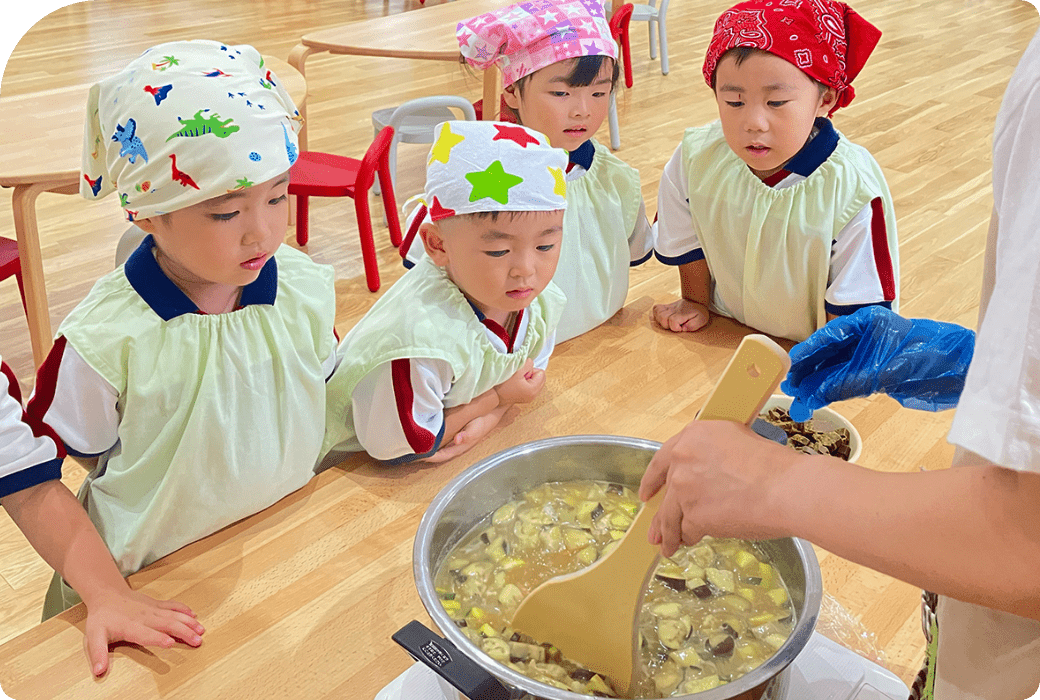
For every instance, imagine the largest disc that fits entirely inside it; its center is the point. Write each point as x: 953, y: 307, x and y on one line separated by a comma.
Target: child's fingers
x: 95, y: 646
x: 175, y: 606
x: 179, y: 629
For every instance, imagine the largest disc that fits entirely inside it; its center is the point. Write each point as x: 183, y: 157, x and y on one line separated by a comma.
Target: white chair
x: 612, y: 122
x: 652, y: 14
x: 414, y: 121
x: 128, y: 243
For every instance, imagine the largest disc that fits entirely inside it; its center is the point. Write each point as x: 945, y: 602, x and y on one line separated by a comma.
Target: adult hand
x: 681, y: 316
x: 721, y: 481
x: 523, y: 386
x: 919, y: 362
x: 131, y: 616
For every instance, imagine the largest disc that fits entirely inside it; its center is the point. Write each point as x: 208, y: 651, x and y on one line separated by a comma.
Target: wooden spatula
x: 591, y: 615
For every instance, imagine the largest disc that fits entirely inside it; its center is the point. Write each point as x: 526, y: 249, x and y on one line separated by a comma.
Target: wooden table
x: 300, y: 600
x: 425, y: 34
x: 42, y: 154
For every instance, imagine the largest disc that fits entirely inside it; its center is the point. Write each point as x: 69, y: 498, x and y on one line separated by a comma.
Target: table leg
x: 23, y: 202
x: 492, y: 93
x: 298, y: 59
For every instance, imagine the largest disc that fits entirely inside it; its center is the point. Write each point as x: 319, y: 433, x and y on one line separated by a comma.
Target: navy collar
x: 168, y: 301
x: 817, y: 151
x: 583, y: 154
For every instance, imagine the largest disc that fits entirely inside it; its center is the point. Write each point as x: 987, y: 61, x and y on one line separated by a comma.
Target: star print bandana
x: 493, y: 166
x: 827, y: 40
x: 185, y: 122
x: 524, y: 37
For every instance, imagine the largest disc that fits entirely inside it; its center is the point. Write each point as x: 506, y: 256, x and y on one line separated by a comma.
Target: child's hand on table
x: 523, y: 386
x: 131, y: 616
x: 681, y: 315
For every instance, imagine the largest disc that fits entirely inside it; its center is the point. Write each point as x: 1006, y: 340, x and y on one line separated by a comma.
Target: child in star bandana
x: 467, y: 332
x: 771, y: 215
x: 193, y: 376
x: 559, y: 65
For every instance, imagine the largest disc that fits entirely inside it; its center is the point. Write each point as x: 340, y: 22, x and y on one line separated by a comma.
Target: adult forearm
x: 58, y: 528
x: 969, y: 533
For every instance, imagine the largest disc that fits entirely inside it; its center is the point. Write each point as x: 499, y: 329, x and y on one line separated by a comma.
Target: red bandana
x: 826, y: 39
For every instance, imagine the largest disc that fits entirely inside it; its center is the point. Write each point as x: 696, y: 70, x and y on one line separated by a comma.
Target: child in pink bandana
x: 771, y: 215
x: 559, y: 65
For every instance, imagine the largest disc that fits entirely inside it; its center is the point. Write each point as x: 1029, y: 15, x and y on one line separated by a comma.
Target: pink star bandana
x: 493, y: 166
x: 826, y: 39
x: 527, y: 36
x: 185, y: 122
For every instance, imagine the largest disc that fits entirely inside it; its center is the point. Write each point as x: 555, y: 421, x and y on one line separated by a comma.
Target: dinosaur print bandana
x: 185, y: 122
x: 493, y: 166
x: 527, y: 36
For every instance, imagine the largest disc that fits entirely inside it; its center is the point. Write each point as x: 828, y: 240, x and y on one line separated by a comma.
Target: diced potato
x: 672, y: 633
x: 496, y: 648
x: 703, y: 555
x: 486, y: 630
x: 510, y: 563
x: 552, y: 537
x: 596, y: 684
x: 630, y: 508
x: 745, y: 592
x: 620, y: 521
x: 775, y: 640
x: 736, y: 603
x: 722, y: 579
x: 686, y: 657
x: 588, y: 555
x: 510, y: 595
x: 779, y: 595
x: 767, y: 574
x: 475, y: 617
x: 666, y: 610
x: 496, y: 550
x: 576, y: 539
x: 693, y: 571
x: 667, y: 677
x: 452, y: 607
x: 504, y: 513
x: 616, y: 534
x: 699, y: 685
x: 746, y: 560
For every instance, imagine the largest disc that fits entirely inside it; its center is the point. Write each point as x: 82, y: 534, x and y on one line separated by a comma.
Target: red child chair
x: 316, y: 174
x: 11, y: 264
x: 619, y: 22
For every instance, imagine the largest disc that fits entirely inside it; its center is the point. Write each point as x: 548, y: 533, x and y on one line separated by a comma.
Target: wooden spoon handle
x: 752, y: 375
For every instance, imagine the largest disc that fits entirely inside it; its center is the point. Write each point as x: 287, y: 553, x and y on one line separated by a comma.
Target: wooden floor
x: 925, y: 109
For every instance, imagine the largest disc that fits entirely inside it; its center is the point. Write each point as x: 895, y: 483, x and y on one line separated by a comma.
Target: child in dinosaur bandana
x: 771, y: 215
x: 193, y: 376
x: 468, y: 331
x: 559, y: 65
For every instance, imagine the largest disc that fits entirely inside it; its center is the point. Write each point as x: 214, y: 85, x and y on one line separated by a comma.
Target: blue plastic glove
x: 918, y: 362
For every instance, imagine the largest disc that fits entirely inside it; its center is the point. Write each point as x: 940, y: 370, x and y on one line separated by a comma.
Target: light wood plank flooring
x: 925, y: 108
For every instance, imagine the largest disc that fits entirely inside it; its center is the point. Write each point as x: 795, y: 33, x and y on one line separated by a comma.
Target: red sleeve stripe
x: 39, y: 428
x: 12, y: 383
x: 419, y: 439
x: 47, y: 381
x: 882, y: 258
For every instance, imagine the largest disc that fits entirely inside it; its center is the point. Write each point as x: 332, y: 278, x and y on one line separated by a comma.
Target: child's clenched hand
x: 681, y: 315
x: 523, y: 386
x: 130, y: 616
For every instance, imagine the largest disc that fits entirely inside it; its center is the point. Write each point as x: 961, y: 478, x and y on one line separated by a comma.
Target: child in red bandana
x: 771, y: 215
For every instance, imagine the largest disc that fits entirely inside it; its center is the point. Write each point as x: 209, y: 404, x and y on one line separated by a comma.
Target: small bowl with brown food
x: 827, y: 432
